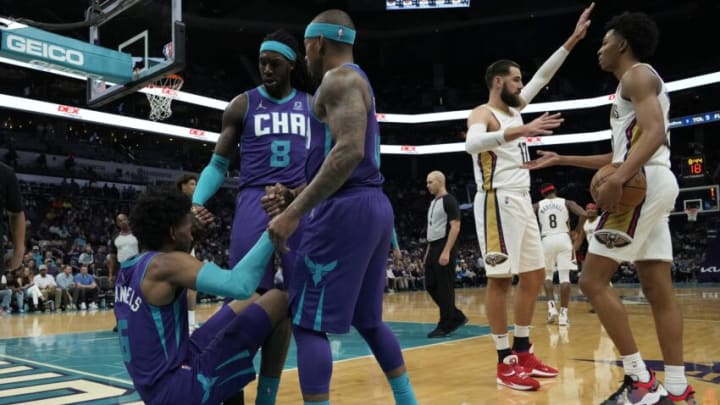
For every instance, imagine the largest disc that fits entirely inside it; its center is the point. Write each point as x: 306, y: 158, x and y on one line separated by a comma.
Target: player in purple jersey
x: 271, y: 123
x: 166, y: 365
x: 339, y: 278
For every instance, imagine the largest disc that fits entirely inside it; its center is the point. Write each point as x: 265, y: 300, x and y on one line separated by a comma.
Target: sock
x: 267, y: 390
x: 191, y: 318
x: 317, y: 403
x: 502, y: 345
x: 551, y: 304
x: 402, y: 390
x: 521, y: 341
x: 634, y: 366
x: 675, y: 381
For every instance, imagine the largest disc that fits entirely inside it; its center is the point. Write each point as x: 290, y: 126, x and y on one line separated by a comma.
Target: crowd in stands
x: 71, y: 229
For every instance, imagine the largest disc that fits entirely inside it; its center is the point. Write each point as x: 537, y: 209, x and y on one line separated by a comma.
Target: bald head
x: 437, y: 175
x: 335, y: 16
x: 436, y: 183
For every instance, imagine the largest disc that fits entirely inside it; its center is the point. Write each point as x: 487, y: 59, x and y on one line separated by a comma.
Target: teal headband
x: 280, y: 48
x: 332, y: 32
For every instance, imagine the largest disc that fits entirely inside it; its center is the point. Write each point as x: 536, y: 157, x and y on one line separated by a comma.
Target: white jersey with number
x: 626, y: 132
x: 589, y: 227
x: 502, y: 167
x: 553, y: 216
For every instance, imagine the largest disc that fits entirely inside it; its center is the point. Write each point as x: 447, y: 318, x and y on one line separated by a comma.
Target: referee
x: 442, y: 233
x: 11, y: 201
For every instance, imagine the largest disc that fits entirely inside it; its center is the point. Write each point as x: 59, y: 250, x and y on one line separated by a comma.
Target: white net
x: 161, y: 94
x: 692, y: 214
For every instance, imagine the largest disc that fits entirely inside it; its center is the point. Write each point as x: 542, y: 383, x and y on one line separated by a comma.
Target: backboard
x: 150, y: 31
x: 704, y: 198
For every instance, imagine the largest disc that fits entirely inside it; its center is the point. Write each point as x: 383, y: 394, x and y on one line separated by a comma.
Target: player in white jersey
x: 506, y: 226
x: 554, y: 217
x: 640, y: 140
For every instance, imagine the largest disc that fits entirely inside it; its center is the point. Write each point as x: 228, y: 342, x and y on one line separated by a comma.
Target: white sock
x: 502, y: 342
x: 191, y: 318
x: 675, y: 381
x: 634, y: 366
x: 522, y: 331
x: 551, y: 304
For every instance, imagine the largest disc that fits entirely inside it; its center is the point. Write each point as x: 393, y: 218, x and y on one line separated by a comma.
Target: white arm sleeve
x: 544, y: 74
x: 479, y: 140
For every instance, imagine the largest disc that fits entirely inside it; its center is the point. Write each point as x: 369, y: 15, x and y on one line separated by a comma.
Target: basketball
x: 633, y: 190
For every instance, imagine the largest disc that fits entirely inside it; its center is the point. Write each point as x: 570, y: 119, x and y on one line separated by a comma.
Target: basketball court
x: 61, y: 358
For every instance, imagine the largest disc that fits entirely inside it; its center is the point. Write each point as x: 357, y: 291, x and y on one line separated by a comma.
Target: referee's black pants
x: 440, y: 284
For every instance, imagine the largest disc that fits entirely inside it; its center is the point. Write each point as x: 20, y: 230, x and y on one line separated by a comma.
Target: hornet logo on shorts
x: 494, y: 259
x: 612, y: 239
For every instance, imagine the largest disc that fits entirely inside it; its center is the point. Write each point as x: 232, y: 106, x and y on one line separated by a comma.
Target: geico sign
x: 711, y: 269
x: 34, y: 47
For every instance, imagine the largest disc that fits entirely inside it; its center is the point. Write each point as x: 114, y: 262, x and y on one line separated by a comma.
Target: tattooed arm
x: 342, y: 102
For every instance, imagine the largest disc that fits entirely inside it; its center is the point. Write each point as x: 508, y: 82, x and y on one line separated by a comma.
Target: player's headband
x: 547, y: 189
x: 280, y: 48
x: 334, y: 32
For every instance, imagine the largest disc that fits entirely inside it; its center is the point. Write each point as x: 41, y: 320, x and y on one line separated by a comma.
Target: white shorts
x: 508, y: 233
x: 642, y: 233
x: 559, y: 253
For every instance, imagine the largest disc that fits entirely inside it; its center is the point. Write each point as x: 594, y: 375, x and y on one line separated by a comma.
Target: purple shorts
x: 339, y: 277
x: 249, y: 223
x: 220, y: 359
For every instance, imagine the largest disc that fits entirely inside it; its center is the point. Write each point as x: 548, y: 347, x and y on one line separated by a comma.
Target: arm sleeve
x: 544, y: 74
x: 211, y: 179
x: 240, y: 282
x: 451, y: 208
x: 479, y: 140
x: 394, y: 243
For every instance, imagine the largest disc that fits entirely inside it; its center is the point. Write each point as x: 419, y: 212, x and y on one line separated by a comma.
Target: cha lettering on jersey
x: 281, y: 123
x: 126, y: 295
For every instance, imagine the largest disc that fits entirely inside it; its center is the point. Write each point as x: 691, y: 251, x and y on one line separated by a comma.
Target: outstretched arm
x: 181, y: 269
x: 548, y: 158
x: 479, y: 139
x: 548, y: 69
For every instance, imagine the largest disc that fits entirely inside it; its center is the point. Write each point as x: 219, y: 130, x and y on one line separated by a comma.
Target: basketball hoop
x: 692, y: 214
x: 161, y: 93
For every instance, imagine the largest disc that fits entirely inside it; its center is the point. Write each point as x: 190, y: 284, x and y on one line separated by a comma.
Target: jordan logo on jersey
x: 612, y: 239
x: 280, y: 123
